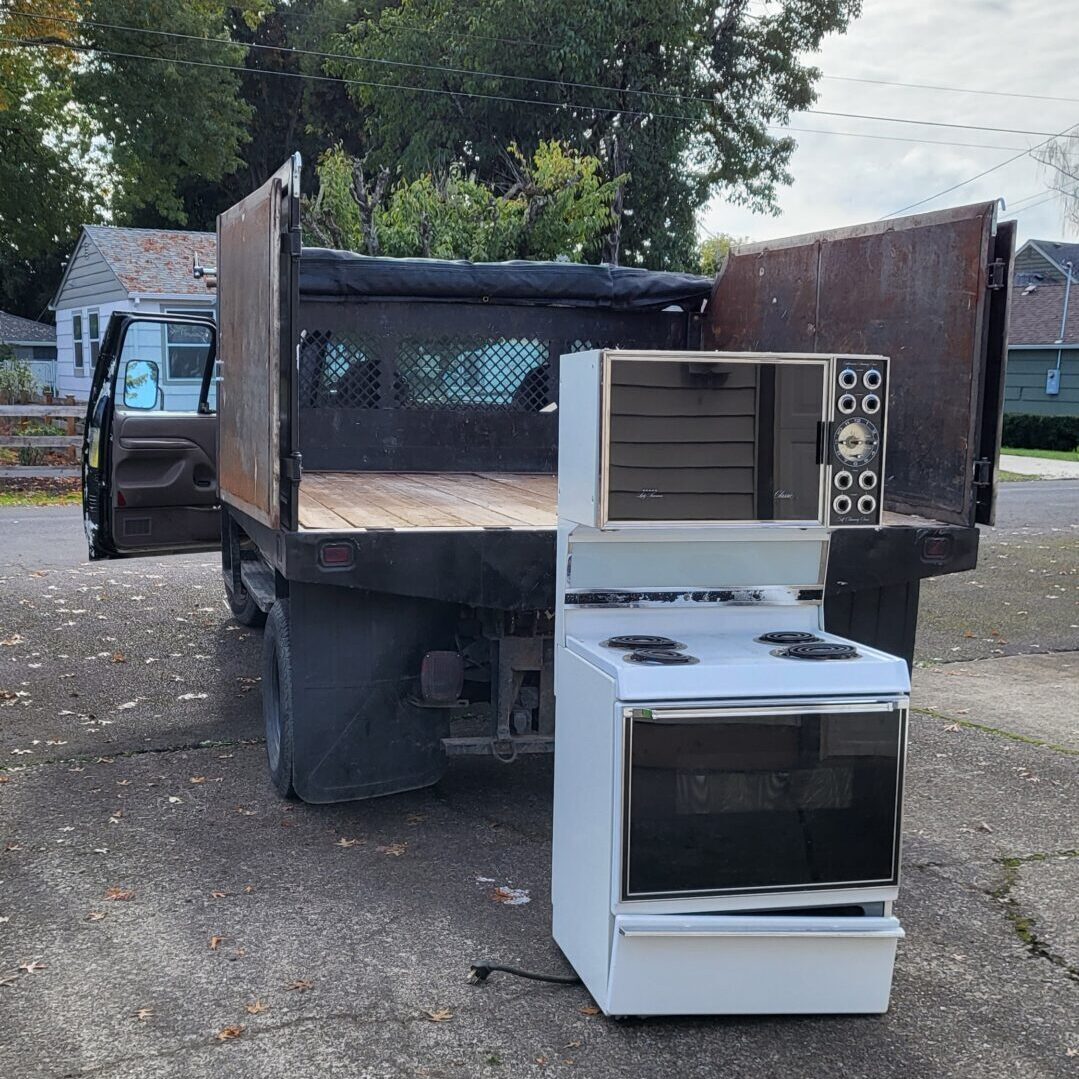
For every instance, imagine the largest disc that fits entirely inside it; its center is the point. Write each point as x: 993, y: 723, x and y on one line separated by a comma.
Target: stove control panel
x: 855, y: 450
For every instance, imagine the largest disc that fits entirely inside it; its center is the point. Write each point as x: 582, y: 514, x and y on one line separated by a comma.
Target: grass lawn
x: 1014, y: 477
x: 59, y: 491
x: 1054, y: 455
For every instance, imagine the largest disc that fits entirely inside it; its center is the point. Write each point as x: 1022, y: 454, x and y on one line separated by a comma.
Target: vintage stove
x: 728, y: 775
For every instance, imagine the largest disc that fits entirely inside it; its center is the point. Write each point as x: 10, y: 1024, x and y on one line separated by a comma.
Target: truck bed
x: 351, y: 501
x: 339, y: 501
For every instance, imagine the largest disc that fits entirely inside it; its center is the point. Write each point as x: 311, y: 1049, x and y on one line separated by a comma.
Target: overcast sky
x: 1025, y: 46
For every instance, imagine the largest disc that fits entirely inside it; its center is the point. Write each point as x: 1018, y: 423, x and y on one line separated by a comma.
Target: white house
x: 32, y: 343
x: 121, y: 269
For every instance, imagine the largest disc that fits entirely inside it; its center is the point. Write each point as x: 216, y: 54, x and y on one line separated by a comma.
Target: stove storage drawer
x: 717, y: 964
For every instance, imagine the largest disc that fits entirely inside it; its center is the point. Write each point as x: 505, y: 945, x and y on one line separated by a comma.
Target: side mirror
x: 142, y: 380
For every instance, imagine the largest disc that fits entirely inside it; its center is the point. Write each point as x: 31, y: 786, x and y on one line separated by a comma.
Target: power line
x: 950, y: 89
x: 465, y: 93
x: 1034, y: 205
x: 559, y: 83
x: 977, y: 176
x: 563, y: 105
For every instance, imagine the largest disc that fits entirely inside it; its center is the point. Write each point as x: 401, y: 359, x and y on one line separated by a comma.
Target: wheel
x: 243, y: 606
x: 277, y: 699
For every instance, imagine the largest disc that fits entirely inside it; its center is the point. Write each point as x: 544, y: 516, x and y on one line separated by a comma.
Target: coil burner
x: 818, y: 650
x: 633, y: 641
x: 660, y: 657
x: 787, y: 636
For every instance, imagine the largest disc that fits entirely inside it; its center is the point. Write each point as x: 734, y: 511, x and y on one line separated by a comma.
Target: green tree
x: 712, y: 251
x: 164, y: 122
x: 552, y: 205
x: 683, y: 97
x: 44, y: 190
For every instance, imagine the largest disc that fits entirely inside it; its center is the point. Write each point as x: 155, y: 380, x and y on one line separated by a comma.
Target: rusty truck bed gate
x: 878, y: 289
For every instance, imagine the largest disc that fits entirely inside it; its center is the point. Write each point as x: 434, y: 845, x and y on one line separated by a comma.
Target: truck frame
x: 375, y: 446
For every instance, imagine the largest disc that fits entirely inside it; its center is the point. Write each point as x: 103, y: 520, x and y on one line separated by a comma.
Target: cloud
x: 980, y: 44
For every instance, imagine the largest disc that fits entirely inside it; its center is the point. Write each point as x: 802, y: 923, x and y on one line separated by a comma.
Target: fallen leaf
x: 953, y: 728
x: 126, y: 705
x: 416, y: 818
x: 216, y: 942
x: 32, y: 966
x: 443, y: 1015
x: 589, y: 1009
x: 143, y: 1014
x: 192, y: 696
x: 256, y: 1007
x: 394, y: 850
x: 218, y: 895
x: 227, y: 1034
x: 983, y: 827
x: 173, y: 800
x: 198, y: 779
x: 119, y: 895
x: 301, y: 985
x: 343, y: 842
x: 249, y: 889
x: 95, y: 916
x: 13, y: 640
x: 511, y: 897
x: 119, y: 657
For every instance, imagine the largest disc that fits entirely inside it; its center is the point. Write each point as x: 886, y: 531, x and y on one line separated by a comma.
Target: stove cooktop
x: 735, y: 664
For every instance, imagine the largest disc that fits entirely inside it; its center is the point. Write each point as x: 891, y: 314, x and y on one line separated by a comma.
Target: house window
x: 76, y: 336
x: 94, y: 335
x: 185, y: 348
x: 86, y: 336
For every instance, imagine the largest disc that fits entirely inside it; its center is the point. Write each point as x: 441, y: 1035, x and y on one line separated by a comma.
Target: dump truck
x: 371, y: 443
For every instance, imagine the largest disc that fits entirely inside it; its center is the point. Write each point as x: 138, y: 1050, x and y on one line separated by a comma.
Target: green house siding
x: 1024, y: 386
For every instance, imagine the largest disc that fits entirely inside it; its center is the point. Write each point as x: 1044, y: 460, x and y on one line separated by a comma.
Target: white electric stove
x: 728, y: 775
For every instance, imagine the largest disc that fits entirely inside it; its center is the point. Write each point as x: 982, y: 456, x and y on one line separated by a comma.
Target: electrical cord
x: 478, y: 973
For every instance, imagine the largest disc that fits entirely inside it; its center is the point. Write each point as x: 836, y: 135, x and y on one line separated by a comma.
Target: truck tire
x: 243, y: 606
x: 277, y: 699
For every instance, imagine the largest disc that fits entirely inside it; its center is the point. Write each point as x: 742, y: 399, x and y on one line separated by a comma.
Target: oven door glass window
x: 725, y: 441
x: 720, y: 802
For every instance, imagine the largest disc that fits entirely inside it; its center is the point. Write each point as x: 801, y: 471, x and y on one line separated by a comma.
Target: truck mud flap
x: 355, y: 659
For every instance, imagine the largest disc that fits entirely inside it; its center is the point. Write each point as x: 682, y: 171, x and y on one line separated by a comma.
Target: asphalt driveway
x: 162, y: 913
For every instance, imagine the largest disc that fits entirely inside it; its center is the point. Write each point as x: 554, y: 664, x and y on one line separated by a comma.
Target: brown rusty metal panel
x: 914, y: 289
x: 249, y: 324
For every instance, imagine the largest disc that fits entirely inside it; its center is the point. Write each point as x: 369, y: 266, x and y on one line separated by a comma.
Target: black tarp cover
x: 329, y: 275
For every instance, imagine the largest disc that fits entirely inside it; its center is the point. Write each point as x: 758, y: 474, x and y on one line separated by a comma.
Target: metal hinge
x: 997, y: 274
x: 983, y: 472
x: 291, y: 467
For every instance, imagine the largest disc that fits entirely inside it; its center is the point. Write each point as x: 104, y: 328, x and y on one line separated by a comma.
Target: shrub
x: 16, y: 382
x: 1026, y: 432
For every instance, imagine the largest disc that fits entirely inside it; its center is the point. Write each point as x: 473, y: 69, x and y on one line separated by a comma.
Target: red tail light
x: 335, y: 555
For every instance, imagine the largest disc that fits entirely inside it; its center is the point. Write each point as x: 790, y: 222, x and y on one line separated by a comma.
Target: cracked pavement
x: 160, y: 893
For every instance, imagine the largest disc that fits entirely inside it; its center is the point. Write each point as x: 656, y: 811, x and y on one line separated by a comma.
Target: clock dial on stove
x: 857, y: 441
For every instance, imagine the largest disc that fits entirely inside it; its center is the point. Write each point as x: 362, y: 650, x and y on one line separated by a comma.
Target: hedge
x: 1040, y: 432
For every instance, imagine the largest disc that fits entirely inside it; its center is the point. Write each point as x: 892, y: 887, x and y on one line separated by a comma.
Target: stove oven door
x: 761, y: 798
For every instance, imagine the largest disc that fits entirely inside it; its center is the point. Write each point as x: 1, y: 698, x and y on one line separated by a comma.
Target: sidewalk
x: 1045, y: 467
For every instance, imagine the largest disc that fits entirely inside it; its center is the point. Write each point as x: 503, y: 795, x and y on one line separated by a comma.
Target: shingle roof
x: 1036, y: 314
x: 155, y: 261
x: 16, y: 329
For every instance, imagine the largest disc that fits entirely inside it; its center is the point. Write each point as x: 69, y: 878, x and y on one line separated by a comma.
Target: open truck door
x: 153, y: 437
x: 931, y: 293
x: 149, y: 458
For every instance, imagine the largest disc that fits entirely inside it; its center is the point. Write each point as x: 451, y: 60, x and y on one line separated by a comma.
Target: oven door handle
x: 704, y: 715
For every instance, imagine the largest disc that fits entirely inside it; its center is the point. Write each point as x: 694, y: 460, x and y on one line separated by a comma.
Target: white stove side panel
x: 582, y: 836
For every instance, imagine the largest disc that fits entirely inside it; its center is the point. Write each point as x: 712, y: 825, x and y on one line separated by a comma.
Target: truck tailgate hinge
x: 983, y: 472
x: 291, y: 467
x: 996, y: 276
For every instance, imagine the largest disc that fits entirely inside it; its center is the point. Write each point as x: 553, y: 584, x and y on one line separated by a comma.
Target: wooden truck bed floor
x: 350, y: 500
x: 346, y: 501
